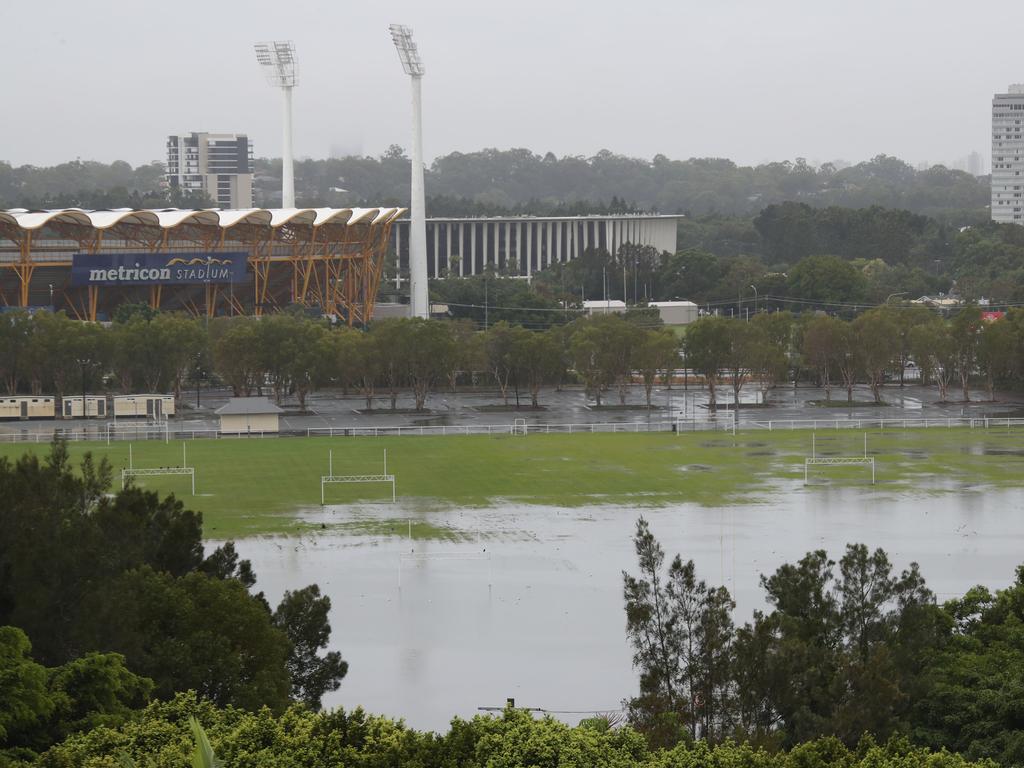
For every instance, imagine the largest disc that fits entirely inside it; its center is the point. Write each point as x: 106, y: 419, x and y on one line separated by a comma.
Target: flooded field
x: 525, y: 601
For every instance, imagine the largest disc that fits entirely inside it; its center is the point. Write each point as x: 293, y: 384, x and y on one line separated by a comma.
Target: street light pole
x: 755, y: 298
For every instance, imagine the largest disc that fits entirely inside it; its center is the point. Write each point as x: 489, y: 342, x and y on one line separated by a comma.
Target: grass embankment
x: 247, y: 487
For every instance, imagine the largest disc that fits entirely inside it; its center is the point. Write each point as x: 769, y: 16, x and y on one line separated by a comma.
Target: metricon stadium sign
x: 124, y: 269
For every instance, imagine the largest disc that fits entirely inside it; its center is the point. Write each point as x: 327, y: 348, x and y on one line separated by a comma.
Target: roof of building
x: 169, y: 218
x: 604, y: 304
x: 247, y: 406
x: 671, y: 304
x: 589, y: 217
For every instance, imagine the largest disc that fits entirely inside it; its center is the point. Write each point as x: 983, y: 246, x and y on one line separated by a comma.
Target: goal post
x: 836, y: 461
x: 133, y: 471
x: 332, y: 479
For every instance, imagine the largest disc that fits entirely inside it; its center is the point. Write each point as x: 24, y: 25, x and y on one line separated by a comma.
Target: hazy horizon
x: 741, y: 80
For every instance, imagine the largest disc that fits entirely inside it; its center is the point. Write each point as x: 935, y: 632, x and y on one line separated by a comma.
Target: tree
x: 848, y: 358
x: 707, y: 348
x: 464, y: 354
x: 428, y: 344
x: 44, y: 706
x: 183, y: 342
x: 837, y: 653
x: 743, y: 343
x: 965, y: 332
x: 339, y: 364
x: 602, y: 352
x: 975, y: 687
x: 539, y: 355
x: 651, y: 629
x: 235, y: 348
x: 311, y: 362
x: 658, y: 350
x: 16, y: 341
x: 822, y: 343
x: 390, y: 341
x: 278, y: 339
x: 500, y: 343
x: 302, y: 616
x: 997, y: 352
x: 931, y: 345
x: 194, y: 633
x: 826, y: 280
x: 368, y: 362
x: 84, y: 570
x: 681, y: 632
x: 27, y: 702
x: 770, y: 362
x: 877, y: 339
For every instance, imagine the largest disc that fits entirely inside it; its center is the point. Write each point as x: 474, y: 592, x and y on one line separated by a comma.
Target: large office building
x: 1008, y: 156
x: 219, y: 164
x: 522, y: 245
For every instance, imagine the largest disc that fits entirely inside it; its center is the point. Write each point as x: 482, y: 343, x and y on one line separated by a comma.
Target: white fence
x: 108, y: 434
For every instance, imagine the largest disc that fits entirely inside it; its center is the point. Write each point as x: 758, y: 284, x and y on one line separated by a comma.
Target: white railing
x: 882, y: 424
x: 100, y: 433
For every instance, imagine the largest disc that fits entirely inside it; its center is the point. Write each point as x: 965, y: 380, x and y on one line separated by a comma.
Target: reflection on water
x: 529, y: 603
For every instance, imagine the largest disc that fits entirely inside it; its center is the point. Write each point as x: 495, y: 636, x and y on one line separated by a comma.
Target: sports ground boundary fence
x: 110, y: 432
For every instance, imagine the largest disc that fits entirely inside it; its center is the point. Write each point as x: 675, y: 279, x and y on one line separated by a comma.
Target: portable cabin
x: 26, y: 407
x: 676, y: 312
x: 95, y: 407
x: 152, y: 407
x: 245, y: 415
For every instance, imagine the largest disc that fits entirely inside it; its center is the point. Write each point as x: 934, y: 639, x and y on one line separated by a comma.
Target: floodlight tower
x: 278, y: 61
x: 413, y: 66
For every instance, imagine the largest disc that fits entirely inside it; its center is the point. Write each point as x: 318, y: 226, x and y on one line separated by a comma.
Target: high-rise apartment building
x: 976, y: 164
x: 1008, y: 156
x: 219, y: 164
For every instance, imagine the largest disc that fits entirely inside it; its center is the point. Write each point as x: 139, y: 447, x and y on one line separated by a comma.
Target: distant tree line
x: 843, y: 649
x: 517, y: 180
x: 291, y: 355
x: 494, y: 181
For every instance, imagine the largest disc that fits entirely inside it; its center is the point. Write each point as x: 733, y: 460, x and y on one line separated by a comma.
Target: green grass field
x: 248, y: 487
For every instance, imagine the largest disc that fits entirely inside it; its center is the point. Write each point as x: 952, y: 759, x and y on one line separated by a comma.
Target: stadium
x: 205, y: 262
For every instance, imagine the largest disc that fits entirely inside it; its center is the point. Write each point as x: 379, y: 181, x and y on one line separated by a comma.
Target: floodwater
x: 526, y: 602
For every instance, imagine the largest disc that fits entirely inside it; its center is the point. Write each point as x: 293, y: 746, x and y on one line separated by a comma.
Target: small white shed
x: 245, y: 415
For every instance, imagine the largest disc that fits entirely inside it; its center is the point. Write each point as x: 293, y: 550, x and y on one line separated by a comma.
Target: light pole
x: 278, y: 61
x: 409, y: 55
x: 755, y: 298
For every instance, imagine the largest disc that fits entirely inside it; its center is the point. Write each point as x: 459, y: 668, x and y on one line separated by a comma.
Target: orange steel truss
x: 331, y: 259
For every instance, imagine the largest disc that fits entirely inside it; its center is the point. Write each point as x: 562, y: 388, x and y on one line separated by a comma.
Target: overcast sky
x: 752, y: 80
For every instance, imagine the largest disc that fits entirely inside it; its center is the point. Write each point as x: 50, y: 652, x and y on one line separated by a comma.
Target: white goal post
x: 331, y: 478
x: 133, y: 471
x: 519, y: 427
x: 834, y: 461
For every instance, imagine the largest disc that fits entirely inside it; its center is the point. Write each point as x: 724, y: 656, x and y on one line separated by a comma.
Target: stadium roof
x: 168, y: 218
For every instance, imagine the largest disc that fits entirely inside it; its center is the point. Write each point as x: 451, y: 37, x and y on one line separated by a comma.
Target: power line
x: 610, y: 710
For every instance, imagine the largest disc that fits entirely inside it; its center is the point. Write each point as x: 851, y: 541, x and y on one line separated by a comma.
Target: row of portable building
x: 26, y: 407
